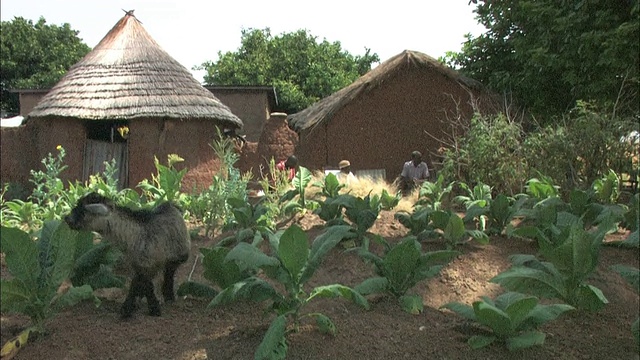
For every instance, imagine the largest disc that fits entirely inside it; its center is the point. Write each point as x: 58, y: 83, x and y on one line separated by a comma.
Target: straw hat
x: 343, y: 164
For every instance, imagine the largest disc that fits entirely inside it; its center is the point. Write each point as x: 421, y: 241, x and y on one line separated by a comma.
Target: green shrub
x: 571, y: 258
x: 39, y: 268
x: 400, y: 268
x: 513, y: 319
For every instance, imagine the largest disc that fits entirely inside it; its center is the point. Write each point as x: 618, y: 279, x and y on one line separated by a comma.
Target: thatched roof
x: 324, y: 109
x: 128, y: 76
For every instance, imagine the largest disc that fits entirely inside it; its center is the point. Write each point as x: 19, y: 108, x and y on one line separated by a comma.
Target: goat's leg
x: 148, y: 292
x: 129, y: 305
x: 167, y: 284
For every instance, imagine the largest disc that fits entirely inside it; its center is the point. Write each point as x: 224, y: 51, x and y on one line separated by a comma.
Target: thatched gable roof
x: 324, y: 109
x: 127, y: 76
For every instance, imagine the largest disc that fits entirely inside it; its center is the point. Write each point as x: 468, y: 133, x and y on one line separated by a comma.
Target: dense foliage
x: 35, y: 56
x: 576, y: 150
x: 550, y: 53
x: 302, y: 69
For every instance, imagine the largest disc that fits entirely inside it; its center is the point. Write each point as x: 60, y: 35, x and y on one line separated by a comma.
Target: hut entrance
x: 106, y: 142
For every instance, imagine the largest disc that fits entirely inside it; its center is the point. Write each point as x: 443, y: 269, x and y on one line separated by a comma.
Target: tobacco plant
x: 251, y: 222
x: 435, y: 195
x: 513, y: 319
x: 418, y: 222
x: 362, y: 213
x: 331, y: 207
x: 295, y: 200
x: 292, y: 264
x: 451, y: 228
x: 400, y: 268
x: 165, y: 185
x: 570, y: 259
x: 495, y: 215
x: 39, y: 268
x: 218, y: 270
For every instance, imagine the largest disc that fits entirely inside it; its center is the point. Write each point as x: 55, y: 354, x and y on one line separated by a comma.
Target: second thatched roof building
x: 409, y: 102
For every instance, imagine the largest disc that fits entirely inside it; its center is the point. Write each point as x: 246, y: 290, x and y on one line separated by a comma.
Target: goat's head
x: 89, y: 213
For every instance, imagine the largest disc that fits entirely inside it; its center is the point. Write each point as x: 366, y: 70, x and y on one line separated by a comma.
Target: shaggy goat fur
x: 151, y: 240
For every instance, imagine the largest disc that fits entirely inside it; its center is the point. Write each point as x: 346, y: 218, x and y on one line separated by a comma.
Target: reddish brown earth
x: 187, y: 330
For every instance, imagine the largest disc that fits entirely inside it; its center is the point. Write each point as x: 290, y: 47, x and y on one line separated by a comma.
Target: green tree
x: 301, y: 69
x: 35, y: 56
x: 551, y: 53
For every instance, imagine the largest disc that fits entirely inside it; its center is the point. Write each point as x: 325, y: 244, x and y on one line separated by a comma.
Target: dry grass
x: 365, y: 186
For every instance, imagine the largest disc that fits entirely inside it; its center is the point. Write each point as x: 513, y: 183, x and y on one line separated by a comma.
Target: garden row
x: 261, y: 262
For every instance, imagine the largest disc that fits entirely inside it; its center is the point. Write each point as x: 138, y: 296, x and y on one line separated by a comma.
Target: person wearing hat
x: 414, y: 173
x: 345, y: 175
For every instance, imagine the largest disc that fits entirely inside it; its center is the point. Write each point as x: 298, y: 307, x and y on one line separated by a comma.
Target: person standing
x: 414, y: 173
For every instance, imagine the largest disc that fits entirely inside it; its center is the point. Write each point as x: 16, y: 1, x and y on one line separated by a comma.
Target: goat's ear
x: 97, y: 209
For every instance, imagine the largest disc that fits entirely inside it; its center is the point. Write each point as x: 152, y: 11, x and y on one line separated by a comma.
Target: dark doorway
x: 107, y: 142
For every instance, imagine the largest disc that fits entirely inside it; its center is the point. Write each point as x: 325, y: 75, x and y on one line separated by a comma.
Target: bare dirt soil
x: 187, y: 331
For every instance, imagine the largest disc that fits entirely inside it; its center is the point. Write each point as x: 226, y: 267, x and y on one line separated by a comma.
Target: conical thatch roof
x: 324, y: 109
x: 127, y: 76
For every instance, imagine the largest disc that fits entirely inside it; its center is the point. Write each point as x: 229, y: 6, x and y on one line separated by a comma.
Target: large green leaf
x: 525, y: 340
x: 411, y: 304
x: 590, y: 298
x: 75, y: 295
x: 248, y: 256
x: 400, y: 263
x: 62, y: 243
x: 440, y: 219
x: 91, y: 259
x: 454, y: 231
x: 544, y: 313
x: 519, y: 310
x: 531, y: 281
x: 103, y: 278
x: 500, y: 210
x: 337, y: 290
x: 252, y: 288
x: 324, y: 323
x: 217, y: 270
x: 373, y: 285
x: 21, y: 256
x: 494, y: 318
x: 322, y: 245
x: 293, y: 251
x: 273, y: 345
x: 302, y: 179
x: 15, y: 296
x: 577, y: 256
x: 529, y: 232
x: 480, y: 341
x: 461, y: 309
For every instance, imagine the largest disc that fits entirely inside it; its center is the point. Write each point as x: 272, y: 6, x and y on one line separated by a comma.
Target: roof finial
x: 130, y: 13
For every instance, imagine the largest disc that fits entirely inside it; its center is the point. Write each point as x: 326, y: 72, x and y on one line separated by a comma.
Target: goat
x: 150, y: 239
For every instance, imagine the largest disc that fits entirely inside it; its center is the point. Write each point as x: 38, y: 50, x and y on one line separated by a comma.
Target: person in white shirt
x: 414, y: 173
x: 345, y: 175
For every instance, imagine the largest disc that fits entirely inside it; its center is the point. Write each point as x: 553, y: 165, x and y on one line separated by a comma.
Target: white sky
x: 193, y: 31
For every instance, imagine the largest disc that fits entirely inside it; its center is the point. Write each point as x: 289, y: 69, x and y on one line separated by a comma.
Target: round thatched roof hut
x: 130, y: 100
x: 129, y: 76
